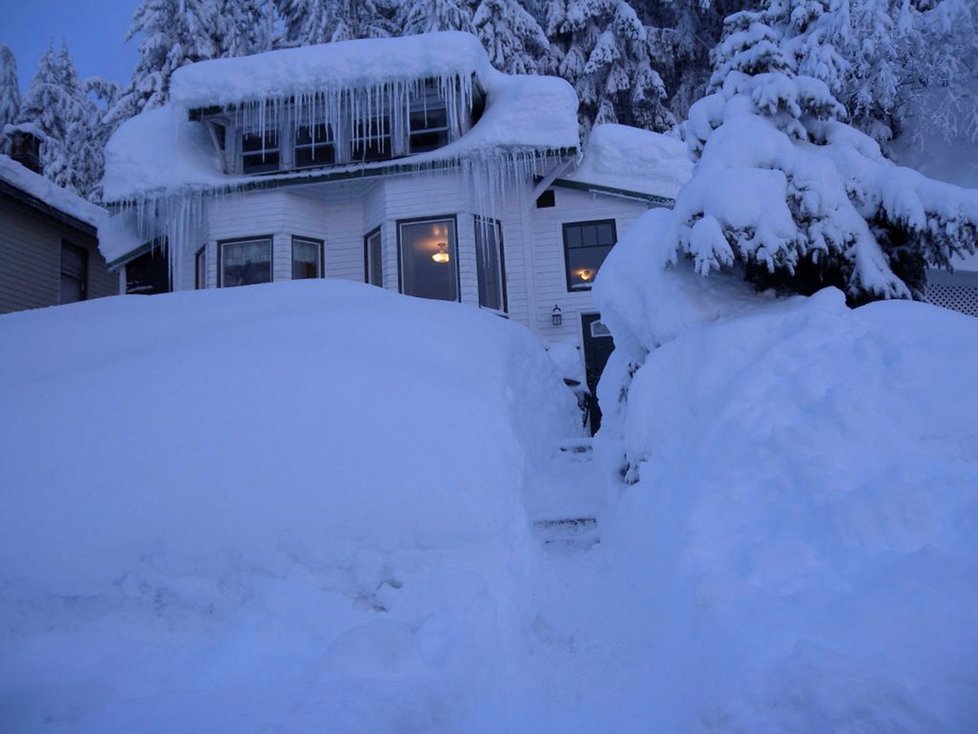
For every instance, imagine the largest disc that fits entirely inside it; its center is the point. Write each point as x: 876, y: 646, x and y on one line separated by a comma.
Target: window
x: 428, y: 258
x: 427, y: 121
x: 260, y: 152
x: 547, y: 199
x: 586, y: 244
x: 373, y: 262
x: 372, y: 139
x: 489, y: 264
x: 74, y: 273
x: 245, y: 262
x: 307, y: 258
x: 200, y: 268
x: 314, y: 146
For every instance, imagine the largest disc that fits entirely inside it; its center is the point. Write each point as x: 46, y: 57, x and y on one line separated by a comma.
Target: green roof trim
x: 663, y: 201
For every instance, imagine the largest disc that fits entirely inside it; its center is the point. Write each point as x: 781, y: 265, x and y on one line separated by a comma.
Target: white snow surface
x: 295, y: 506
x: 41, y: 188
x: 801, y: 528
x: 624, y: 157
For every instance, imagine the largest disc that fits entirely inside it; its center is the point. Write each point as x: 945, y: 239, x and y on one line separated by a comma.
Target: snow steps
x: 568, y: 534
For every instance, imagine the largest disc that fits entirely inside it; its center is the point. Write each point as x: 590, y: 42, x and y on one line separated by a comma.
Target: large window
x: 245, y: 262
x: 74, y: 273
x: 373, y: 260
x: 586, y: 244
x: 429, y: 266
x: 489, y: 264
x: 307, y: 258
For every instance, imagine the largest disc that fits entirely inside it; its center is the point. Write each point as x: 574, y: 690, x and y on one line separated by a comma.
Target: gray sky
x: 93, y: 29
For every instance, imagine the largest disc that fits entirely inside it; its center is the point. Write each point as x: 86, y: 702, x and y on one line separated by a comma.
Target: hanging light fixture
x: 556, y: 317
x: 442, y: 255
x: 585, y: 274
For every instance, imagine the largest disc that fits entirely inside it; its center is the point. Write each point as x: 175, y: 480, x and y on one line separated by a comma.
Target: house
x: 407, y: 163
x: 48, y: 242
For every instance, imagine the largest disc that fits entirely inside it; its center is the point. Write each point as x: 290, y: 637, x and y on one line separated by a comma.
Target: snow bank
x: 626, y: 157
x: 800, y: 541
x: 44, y: 190
x: 294, y: 505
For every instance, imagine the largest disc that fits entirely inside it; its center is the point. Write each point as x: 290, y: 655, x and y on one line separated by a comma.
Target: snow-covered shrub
x: 784, y: 189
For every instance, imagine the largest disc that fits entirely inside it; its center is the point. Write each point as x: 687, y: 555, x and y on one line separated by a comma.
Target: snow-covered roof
x: 311, y: 69
x: 633, y: 160
x: 164, y: 153
x: 40, y: 188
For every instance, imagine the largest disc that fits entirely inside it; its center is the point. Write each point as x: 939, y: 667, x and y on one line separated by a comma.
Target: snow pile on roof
x: 44, y: 190
x: 313, y: 69
x: 623, y: 157
x: 800, y: 540
x: 287, y: 506
x: 162, y: 153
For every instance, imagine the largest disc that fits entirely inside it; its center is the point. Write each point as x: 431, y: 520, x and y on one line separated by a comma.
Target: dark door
x: 598, y: 346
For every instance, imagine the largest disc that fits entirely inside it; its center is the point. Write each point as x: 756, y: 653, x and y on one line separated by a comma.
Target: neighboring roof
x: 628, y: 161
x: 43, y: 194
x: 163, y: 153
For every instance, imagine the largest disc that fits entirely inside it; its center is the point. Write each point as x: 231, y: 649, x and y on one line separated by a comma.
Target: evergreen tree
x: 9, y: 93
x: 792, y: 196
x: 309, y: 22
x: 243, y: 27
x: 174, y: 33
x: 513, y: 38
x: 424, y: 16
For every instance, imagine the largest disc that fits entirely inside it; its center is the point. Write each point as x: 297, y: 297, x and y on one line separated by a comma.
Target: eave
x: 45, y: 208
x: 654, y: 199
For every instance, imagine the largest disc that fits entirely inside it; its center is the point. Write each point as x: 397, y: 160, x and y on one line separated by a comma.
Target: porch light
x: 442, y: 255
x: 556, y: 317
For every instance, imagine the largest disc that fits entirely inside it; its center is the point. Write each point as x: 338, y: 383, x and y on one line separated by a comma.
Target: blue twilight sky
x: 93, y: 29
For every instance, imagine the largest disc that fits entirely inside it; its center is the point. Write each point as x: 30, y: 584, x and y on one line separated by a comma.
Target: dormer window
x: 260, y: 152
x: 315, y: 145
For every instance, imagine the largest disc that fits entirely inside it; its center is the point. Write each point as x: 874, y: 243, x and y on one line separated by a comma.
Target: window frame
x: 321, y: 253
x: 400, y: 253
x: 200, y: 268
x: 572, y: 288
x: 83, y: 278
x: 368, y: 260
x: 428, y: 102
x: 332, y: 141
x: 497, y: 225
x: 239, y: 241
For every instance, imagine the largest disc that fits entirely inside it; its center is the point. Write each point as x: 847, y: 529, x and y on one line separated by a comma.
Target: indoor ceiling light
x: 442, y: 255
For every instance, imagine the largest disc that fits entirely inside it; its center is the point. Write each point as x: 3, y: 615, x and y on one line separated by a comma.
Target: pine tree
x: 425, y: 16
x: 513, y: 38
x: 243, y: 27
x: 174, y: 33
x: 795, y: 198
x: 601, y: 48
x: 9, y: 93
x: 309, y: 22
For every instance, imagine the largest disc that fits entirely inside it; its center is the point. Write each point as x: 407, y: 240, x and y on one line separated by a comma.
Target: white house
x: 408, y: 163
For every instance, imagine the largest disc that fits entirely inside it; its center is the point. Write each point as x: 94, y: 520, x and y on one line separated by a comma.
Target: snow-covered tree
x: 796, y: 198
x: 243, y: 27
x: 424, y: 16
x: 513, y: 38
x: 173, y: 33
x: 57, y: 109
x: 600, y: 47
x: 309, y: 22
x: 9, y: 93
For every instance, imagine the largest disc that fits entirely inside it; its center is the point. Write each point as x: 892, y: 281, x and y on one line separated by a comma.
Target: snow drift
x: 273, y: 506
x: 801, y: 529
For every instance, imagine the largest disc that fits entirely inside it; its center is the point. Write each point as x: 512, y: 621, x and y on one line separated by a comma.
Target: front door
x: 598, y: 346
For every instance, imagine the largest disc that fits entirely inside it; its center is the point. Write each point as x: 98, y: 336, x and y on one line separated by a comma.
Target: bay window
x: 245, y: 262
x: 307, y: 258
x: 428, y: 259
x: 489, y: 264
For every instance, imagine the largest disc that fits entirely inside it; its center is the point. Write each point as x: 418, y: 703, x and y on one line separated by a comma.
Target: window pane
x: 200, y: 269
x: 606, y: 233
x: 305, y: 259
x: 375, y: 264
x: 589, y: 235
x: 321, y: 155
x: 572, y: 235
x: 586, y: 244
x: 372, y: 142
x: 259, y: 153
x: 428, y: 259
x: 246, y: 263
x: 488, y: 264
x: 583, y: 264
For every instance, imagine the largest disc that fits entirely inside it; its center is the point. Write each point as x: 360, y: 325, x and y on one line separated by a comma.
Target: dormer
x: 345, y: 127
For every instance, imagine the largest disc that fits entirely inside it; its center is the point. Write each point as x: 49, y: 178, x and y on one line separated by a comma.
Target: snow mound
x: 638, y: 160
x: 288, y: 506
x: 800, y: 538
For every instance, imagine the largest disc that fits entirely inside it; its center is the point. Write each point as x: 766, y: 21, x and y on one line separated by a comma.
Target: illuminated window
x: 586, y: 244
x: 429, y: 267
